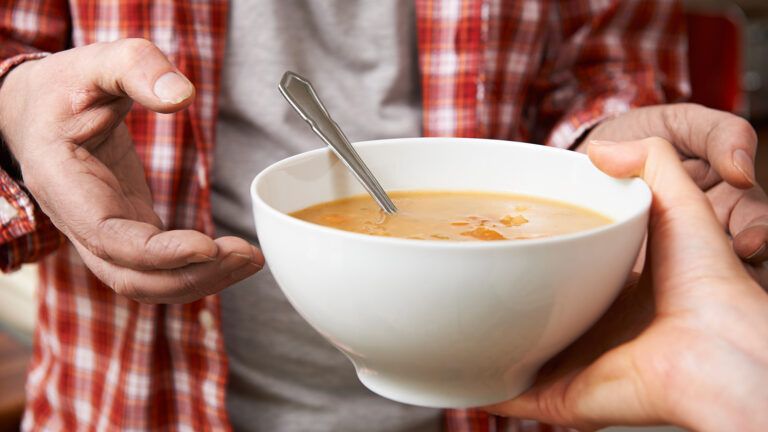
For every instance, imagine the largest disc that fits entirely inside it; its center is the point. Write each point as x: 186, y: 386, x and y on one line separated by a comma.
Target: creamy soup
x: 455, y: 216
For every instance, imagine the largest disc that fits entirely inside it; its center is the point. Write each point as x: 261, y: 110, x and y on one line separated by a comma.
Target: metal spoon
x: 302, y: 97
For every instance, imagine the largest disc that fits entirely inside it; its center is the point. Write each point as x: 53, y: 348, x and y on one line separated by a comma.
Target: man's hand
x: 690, y: 340
x: 718, y: 151
x: 62, y: 118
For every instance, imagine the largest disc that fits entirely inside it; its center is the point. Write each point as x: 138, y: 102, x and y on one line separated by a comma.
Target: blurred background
x: 728, y: 46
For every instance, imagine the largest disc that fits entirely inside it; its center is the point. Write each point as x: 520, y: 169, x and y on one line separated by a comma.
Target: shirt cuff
x: 569, y: 131
x: 26, y: 233
x: 17, y: 210
x: 9, y: 63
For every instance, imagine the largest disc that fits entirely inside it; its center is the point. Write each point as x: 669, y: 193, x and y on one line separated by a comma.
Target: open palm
x: 80, y: 164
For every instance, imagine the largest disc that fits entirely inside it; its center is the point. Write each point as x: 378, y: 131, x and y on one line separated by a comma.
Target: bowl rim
x: 257, y: 201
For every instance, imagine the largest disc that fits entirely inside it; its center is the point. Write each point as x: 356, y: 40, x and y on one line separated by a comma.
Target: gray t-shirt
x: 361, y: 56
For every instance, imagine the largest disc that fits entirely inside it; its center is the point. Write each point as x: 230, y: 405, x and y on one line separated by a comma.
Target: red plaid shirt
x: 540, y: 71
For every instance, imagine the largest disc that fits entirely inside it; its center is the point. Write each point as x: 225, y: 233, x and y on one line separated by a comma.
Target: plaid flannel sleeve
x: 29, y: 29
x: 604, y: 58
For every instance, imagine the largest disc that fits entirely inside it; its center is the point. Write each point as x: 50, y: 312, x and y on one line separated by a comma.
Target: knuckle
x: 675, y: 116
x: 93, y: 243
x: 93, y: 237
x: 126, y: 288
x: 741, y: 127
x: 701, y: 172
x: 658, y: 142
x: 551, y: 408
x: 134, y: 50
x: 684, y: 110
x: 189, y: 286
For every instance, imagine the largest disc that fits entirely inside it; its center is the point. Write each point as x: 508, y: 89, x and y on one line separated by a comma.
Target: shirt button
x: 205, y: 317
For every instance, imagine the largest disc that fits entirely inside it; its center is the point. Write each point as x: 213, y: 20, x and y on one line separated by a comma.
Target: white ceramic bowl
x: 449, y: 324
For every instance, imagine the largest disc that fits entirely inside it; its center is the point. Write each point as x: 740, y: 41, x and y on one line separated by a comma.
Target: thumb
x: 685, y: 236
x: 136, y: 68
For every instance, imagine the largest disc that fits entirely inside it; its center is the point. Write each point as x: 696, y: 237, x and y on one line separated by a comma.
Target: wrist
x: 12, y: 98
x: 716, y: 416
x: 719, y: 383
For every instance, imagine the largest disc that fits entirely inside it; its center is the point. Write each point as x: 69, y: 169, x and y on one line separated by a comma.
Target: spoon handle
x: 302, y: 97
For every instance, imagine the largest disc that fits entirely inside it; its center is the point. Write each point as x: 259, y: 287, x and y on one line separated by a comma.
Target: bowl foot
x: 441, y: 394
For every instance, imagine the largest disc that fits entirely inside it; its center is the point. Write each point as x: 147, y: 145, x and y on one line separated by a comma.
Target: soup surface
x: 456, y: 216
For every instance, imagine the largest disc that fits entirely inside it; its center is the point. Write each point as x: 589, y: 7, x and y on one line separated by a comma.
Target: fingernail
x: 257, y: 253
x: 601, y: 142
x: 172, y: 88
x: 234, y: 260
x: 200, y: 258
x: 757, y: 252
x: 245, y: 271
x: 745, y: 164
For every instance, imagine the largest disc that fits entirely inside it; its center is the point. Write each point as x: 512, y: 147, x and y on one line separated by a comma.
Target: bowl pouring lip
x: 641, y: 211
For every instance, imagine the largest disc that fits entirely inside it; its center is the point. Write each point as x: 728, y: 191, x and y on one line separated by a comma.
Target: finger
x: 702, y: 173
x: 235, y: 261
x: 727, y: 142
x: 138, y: 69
x: 745, y: 214
x: 749, y: 226
x: 759, y: 273
x: 752, y: 243
x: 685, y: 236
x: 535, y: 404
x: 142, y: 246
x: 585, y: 399
x: 114, y: 221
